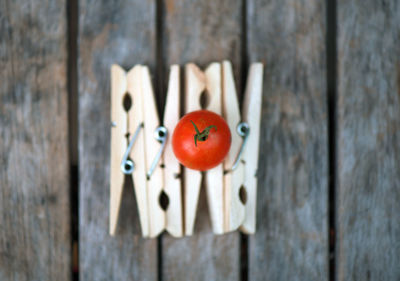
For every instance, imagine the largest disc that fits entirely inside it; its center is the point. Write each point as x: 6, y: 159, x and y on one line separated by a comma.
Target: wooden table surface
x: 329, y: 172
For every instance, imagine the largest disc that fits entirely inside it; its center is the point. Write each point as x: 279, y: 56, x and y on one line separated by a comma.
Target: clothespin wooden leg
x: 234, y: 210
x: 195, y: 85
x: 137, y: 153
x: 118, y: 142
x: 214, y: 177
x: 252, y: 115
x: 155, y: 182
x: 172, y: 169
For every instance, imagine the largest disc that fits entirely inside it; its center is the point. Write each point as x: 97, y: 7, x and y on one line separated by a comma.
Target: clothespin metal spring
x: 127, y: 165
x: 243, y: 129
x: 160, y: 135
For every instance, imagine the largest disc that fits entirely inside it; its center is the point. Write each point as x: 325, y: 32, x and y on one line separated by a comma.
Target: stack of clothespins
x: 147, y: 155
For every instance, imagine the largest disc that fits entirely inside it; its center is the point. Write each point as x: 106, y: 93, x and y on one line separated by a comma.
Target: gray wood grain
x: 368, y: 208
x: 291, y: 238
x: 201, y: 32
x: 34, y: 170
x: 121, y: 32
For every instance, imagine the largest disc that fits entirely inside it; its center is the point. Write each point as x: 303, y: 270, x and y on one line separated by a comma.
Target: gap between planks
x: 73, y: 151
x: 331, y: 72
x: 160, y: 85
x: 244, y: 65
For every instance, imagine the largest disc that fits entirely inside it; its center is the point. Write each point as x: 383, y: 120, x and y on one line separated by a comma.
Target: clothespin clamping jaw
x: 139, y: 148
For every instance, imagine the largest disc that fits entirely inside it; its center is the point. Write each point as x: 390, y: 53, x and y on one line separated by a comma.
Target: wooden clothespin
x: 198, y: 82
x: 134, y: 149
x: 142, y: 156
x: 240, y: 166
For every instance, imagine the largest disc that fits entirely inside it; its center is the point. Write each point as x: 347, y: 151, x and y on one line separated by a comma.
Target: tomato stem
x: 202, y: 136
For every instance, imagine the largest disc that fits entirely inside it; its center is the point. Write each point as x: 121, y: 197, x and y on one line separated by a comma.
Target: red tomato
x: 201, y: 140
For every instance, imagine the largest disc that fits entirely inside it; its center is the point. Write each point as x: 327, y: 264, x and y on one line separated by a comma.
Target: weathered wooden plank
x: 291, y: 237
x: 34, y: 172
x: 201, y: 32
x: 368, y: 181
x: 121, y: 32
